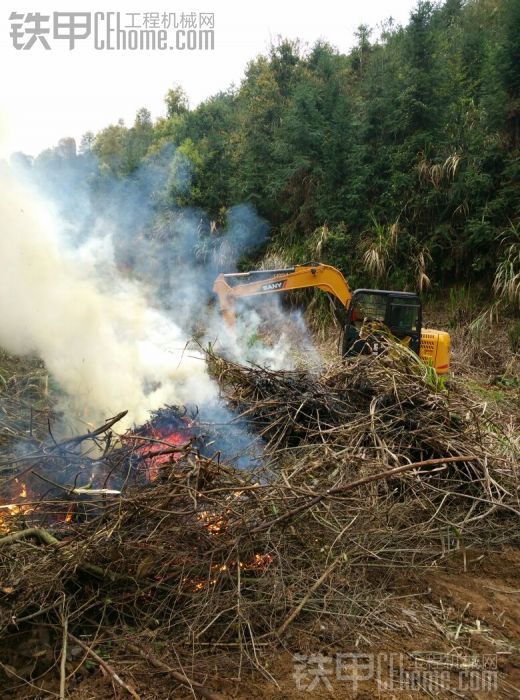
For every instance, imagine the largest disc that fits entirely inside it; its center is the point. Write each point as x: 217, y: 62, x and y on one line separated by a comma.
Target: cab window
x: 368, y: 308
x: 404, y: 315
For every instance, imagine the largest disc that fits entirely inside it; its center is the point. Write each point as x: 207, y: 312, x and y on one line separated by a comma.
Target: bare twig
x: 116, y: 677
x: 63, y: 660
x: 297, y: 610
x: 180, y: 677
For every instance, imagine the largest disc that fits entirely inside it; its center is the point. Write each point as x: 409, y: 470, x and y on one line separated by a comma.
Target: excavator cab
x: 374, y: 312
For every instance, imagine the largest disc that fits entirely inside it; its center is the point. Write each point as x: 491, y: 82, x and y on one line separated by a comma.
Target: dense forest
x: 397, y: 162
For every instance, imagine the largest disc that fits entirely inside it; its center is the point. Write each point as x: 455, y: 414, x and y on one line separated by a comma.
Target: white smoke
x: 108, y: 349
x: 265, y: 334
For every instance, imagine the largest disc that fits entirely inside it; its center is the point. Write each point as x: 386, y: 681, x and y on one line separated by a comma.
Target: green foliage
x: 397, y: 162
x: 176, y: 102
x: 514, y: 337
x: 507, y: 276
x: 463, y: 305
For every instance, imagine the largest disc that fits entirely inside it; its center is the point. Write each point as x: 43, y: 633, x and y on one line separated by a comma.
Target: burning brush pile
x: 181, y: 559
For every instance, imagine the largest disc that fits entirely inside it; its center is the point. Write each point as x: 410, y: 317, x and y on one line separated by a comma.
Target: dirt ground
x: 464, y: 612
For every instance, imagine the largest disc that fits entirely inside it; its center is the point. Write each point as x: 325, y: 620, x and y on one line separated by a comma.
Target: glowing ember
x: 11, y: 508
x: 23, y: 489
x: 154, y: 463
x: 214, y: 523
x: 9, y: 511
x: 260, y: 562
x: 154, y: 440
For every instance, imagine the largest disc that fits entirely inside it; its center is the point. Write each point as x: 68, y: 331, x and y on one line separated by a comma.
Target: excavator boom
x: 229, y: 287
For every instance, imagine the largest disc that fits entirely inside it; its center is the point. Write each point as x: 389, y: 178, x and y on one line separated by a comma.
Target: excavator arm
x: 229, y: 287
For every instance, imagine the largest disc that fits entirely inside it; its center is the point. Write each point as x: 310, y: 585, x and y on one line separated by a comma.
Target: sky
x: 49, y: 94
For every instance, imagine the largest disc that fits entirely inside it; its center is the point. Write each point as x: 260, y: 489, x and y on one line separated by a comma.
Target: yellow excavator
x: 397, y: 312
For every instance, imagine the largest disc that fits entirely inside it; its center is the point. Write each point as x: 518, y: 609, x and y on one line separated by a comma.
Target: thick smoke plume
x: 107, y: 278
x: 104, y: 344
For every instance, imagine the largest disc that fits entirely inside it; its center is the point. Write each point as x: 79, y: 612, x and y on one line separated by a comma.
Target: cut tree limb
x: 116, y: 677
x: 297, y: 610
x: 38, y: 532
x: 180, y: 677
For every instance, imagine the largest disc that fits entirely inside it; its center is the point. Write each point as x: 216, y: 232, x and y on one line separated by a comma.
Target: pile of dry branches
x: 368, y: 469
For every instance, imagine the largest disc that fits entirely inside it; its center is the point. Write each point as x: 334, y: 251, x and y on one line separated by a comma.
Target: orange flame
x: 164, y: 441
x: 8, y: 511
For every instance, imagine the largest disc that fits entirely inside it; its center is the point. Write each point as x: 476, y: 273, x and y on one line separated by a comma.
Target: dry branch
x: 197, y: 688
x: 219, y: 558
x: 112, y: 673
